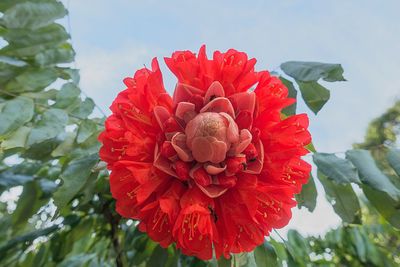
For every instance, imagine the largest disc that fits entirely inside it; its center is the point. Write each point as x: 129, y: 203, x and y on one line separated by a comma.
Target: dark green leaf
x: 74, y: 177
x: 394, y: 160
x: 9, y: 179
x: 66, y: 146
x: 335, y: 168
x: 370, y: 174
x: 290, y: 110
x: 384, y: 204
x: 33, y: 15
x: 343, y: 199
x: 28, y: 204
x: 51, y: 124
x: 158, y: 257
x: 313, y: 71
x: 314, y: 94
x: 15, y: 113
x: 308, y: 195
x: 29, y: 237
x: 265, y: 256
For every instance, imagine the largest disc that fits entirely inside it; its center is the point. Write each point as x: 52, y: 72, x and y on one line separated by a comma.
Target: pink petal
x: 213, y: 169
x: 184, y: 92
x: 215, y: 90
x: 219, y: 104
x: 178, y: 142
x: 202, y: 149
x: 244, y: 141
x: 162, y: 115
x: 213, y: 191
x: 162, y: 163
x: 256, y: 166
x: 244, y: 101
x: 185, y: 111
x: 232, y: 132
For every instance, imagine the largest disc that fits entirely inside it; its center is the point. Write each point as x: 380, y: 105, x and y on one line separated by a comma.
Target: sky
x: 112, y: 39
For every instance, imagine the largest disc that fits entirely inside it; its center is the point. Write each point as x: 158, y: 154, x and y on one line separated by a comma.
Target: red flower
x: 214, y: 167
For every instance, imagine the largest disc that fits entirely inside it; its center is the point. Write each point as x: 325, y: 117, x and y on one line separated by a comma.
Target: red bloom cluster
x: 215, y: 166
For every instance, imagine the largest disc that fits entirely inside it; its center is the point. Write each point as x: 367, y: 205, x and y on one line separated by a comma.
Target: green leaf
x: 290, y: 110
x: 384, y: 204
x: 74, y: 177
x: 31, y: 80
x: 69, y: 74
x: 394, y: 159
x: 15, y: 113
x: 17, y: 139
x: 61, y: 54
x: 343, y: 199
x: 308, y: 195
x: 359, y: 243
x: 9, y: 179
x: 51, y: 124
x: 222, y: 262
x: 314, y: 95
x: 85, y: 130
x: 370, y: 174
x: 158, y: 257
x: 33, y: 15
x: 67, y: 95
x: 36, y: 40
x: 66, y: 146
x: 265, y: 256
x: 29, y: 237
x: 298, y: 247
x: 313, y: 71
x: 335, y: 168
x: 28, y: 204
x: 84, y: 109
x: 77, y: 260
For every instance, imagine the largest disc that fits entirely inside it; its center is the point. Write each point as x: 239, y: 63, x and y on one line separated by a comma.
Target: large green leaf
x: 33, y: 15
x: 314, y: 94
x: 15, y: 113
x: 84, y: 109
x: 313, y: 71
x: 17, y: 139
x: 158, y: 257
x: 290, y: 110
x: 63, y: 53
x: 28, y: 204
x: 343, y: 199
x: 9, y: 179
x: 394, y: 160
x: 74, y: 177
x: 384, y: 204
x: 38, y: 39
x: 308, y: 195
x: 67, y: 95
x: 335, y: 168
x: 370, y: 174
x: 85, y: 130
x: 50, y: 125
x: 265, y: 256
x: 32, y: 80
x: 29, y: 237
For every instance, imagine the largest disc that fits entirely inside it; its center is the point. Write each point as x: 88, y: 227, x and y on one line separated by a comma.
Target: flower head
x: 216, y: 165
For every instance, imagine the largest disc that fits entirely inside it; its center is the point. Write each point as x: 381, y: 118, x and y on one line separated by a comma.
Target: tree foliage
x: 65, y: 215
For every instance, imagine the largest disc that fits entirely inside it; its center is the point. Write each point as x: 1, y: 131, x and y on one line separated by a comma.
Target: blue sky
x: 114, y: 38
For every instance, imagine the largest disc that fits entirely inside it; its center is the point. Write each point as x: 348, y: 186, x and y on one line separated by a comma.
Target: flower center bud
x: 210, y: 135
